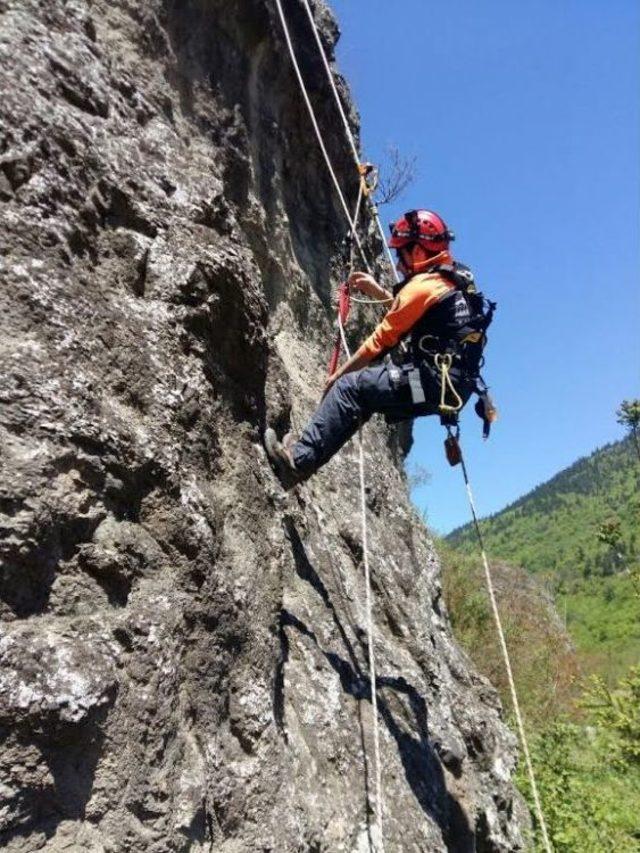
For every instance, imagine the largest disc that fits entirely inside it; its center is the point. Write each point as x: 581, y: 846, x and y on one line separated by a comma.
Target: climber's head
x: 418, y: 236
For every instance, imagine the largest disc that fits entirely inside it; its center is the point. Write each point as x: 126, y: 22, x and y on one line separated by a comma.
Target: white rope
x: 345, y: 121
x: 349, y: 132
x: 507, y: 663
x: 370, y: 626
x: 362, y: 301
x: 363, y: 507
x: 494, y: 606
x: 356, y: 213
x: 319, y: 137
x: 379, y: 841
x: 496, y: 613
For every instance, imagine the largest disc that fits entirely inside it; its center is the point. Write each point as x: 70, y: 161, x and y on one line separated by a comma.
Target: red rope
x: 344, y: 306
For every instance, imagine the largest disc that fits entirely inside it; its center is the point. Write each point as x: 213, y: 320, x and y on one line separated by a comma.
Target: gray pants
x: 351, y: 401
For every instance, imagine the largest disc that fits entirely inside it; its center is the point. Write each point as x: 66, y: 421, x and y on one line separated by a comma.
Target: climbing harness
x: 454, y: 452
x: 448, y: 343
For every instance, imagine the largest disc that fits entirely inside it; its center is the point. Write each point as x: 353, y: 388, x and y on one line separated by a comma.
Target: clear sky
x: 525, y: 120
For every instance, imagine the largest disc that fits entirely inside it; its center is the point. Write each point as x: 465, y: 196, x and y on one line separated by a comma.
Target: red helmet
x: 423, y: 227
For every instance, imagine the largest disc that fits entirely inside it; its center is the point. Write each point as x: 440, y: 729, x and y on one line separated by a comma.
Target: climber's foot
x: 280, y: 456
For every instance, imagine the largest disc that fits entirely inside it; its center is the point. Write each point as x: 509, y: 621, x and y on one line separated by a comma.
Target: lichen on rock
x: 183, y: 648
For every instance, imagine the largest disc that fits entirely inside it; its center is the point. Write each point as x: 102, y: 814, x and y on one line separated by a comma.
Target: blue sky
x: 525, y: 121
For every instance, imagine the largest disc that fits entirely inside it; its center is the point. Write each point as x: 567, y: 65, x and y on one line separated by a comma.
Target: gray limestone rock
x: 183, y: 650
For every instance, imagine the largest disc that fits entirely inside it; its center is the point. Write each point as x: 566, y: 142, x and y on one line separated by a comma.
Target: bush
x: 588, y: 773
x: 618, y: 712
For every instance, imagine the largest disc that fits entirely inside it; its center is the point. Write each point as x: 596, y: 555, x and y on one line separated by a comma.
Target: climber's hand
x: 330, y: 382
x: 367, y: 284
x: 364, y: 283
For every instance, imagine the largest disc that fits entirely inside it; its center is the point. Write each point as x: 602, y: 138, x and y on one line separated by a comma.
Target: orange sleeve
x: 410, y: 304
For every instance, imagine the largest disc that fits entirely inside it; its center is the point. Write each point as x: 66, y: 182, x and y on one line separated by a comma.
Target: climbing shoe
x: 279, y: 453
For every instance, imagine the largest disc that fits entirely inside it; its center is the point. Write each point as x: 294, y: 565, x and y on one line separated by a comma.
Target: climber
x: 431, y: 339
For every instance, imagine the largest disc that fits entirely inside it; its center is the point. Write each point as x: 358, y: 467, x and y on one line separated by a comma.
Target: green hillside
x: 576, y: 537
x: 554, y: 528
x: 578, y: 533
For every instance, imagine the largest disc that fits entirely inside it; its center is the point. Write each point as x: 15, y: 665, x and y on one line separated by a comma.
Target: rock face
x: 183, y: 647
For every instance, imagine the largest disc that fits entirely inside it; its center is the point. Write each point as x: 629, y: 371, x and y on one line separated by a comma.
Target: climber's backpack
x: 457, y: 325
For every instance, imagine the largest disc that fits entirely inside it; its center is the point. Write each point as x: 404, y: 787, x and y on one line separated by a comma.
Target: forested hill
x: 557, y: 527
x: 577, y: 533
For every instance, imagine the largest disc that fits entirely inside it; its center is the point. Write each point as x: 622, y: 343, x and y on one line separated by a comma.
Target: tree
x: 629, y: 416
x: 610, y: 532
x: 418, y: 476
x: 634, y: 573
x: 396, y: 174
x: 619, y: 712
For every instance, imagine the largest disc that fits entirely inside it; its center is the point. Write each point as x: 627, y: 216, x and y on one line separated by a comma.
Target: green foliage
x: 557, y: 524
x: 610, y: 532
x: 629, y: 416
x: 634, y: 576
x: 618, y: 711
x: 543, y: 660
x: 579, y: 533
x: 586, y: 758
x: 589, y: 801
x: 569, y: 814
x: 602, y: 618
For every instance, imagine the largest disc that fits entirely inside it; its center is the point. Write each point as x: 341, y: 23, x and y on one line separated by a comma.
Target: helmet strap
x: 415, y: 266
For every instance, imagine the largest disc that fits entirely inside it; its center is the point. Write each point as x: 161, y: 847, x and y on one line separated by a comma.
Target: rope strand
x: 507, y: 662
x: 488, y: 577
x: 349, y: 133
x: 319, y: 136
x: 356, y: 239
x: 370, y: 625
x: 367, y: 579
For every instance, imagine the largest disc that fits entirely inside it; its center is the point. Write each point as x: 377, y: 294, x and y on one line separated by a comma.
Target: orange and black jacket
x: 420, y: 294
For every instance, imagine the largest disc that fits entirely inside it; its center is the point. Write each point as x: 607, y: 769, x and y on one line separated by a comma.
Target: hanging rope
x: 489, y: 581
x: 342, y: 317
x: 370, y: 625
x: 367, y: 573
x: 507, y: 661
x: 367, y: 583
x: 363, y: 506
x: 443, y: 362
x: 496, y: 614
x: 319, y: 136
x: 349, y: 133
